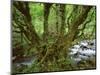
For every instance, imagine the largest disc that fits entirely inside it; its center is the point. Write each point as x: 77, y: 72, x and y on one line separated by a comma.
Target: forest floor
x: 81, y: 56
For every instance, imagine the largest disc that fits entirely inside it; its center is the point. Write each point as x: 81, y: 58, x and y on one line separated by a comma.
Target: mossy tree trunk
x: 46, y: 15
x: 62, y: 16
x: 59, y: 49
x: 60, y: 19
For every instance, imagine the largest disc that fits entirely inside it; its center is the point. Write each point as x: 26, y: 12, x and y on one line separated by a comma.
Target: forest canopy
x: 46, y: 31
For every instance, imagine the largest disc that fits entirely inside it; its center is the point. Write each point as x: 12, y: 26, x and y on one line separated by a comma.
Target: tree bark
x: 62, y: 15
x: 60, y: 19
x: 46, y: 15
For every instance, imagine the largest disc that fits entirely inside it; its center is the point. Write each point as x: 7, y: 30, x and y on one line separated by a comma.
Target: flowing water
x: 84, y: 50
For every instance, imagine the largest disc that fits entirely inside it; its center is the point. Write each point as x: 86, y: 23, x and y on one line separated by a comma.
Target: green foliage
x: 36, y: 11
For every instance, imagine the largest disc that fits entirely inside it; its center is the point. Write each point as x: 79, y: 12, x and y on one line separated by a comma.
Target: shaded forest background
x: 46, y: 31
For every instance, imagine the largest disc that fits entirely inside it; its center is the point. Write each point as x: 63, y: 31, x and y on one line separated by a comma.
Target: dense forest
x: 51, y: 37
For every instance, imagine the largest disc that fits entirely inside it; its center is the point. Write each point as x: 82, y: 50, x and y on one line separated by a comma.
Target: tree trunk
x: 62, y: 10
x: 59, y: 49
x: 57, y: 18
x: 46, y: 15
x: 60, y: 19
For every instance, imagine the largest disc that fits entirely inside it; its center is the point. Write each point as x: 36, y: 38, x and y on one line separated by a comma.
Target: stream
x: 84, y: 50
